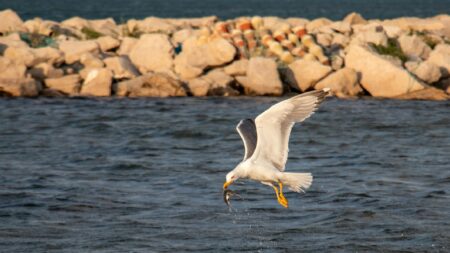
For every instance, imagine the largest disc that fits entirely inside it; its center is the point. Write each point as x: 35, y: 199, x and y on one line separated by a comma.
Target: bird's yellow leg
x: 283, y: 203
x: 282, y: 198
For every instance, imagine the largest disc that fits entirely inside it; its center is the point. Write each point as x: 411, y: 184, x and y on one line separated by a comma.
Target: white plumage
x: 266, y: 143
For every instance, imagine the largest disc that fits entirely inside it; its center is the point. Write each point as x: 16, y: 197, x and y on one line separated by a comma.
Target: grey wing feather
x: 247, y: 130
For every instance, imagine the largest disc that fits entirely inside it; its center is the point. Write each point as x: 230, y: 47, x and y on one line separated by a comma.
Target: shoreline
x: 402, y: 58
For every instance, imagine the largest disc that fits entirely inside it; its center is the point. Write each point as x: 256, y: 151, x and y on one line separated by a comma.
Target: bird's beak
x: 226, y: 184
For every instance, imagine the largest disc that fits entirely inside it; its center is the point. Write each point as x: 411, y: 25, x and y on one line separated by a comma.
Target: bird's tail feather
x: 297, y: 182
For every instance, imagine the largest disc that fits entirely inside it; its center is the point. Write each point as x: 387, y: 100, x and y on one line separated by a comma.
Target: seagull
x: 266, y: 141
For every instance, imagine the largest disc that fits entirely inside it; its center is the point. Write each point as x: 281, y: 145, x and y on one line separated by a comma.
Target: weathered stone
x: 274, y: 23
x: 440, y: 57
x: 369, y: 36
x: 91, y: 61
x: 76, y: 22
x: 97, y: 83
x: 324, y: 39
x: 69, y: 84
x: 414, y: 47
x: 153, y: 52
x: 45, y: 70
x: 180, y: 36
x: 305, y: 74
x: 20, y: 87
x: 10, y: 22
x: 151, y: 85
x: 218, y: 78
x: 355, y: 19
x: 11, y: 70
x: 105, y: 26
x: 21, y: 55
x: 12, y: 40
x: 425, y: 71
x: 315, y: 24
x: 262, y: 77
x: 341, y: 40
x: 429, y: 93
x: 237, y: 68
x: 341, y: 27
x: 199, y: 87
x: 121, y: 67
x: 126, y: 46
x: 48, y: 55
x: 343, y: 83
x: 155, y: 25
x: 380, y: 77
x: 73, y: 50
x: 107, y: 43
x: 47, y: 92
x: 199, y: 53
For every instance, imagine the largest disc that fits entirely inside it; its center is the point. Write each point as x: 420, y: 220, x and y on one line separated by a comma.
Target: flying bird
x: 266, y: 141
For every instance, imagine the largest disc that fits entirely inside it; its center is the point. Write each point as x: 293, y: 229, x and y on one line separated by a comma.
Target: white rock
x: 153, y: 52
x: 69, y: 84
x: 121, y: 67
x: 10, y: 22
x: 151, y: 85
x: 305, y: 74
x: 262, y: 77
x: 237, y: 68
x: 440, y: 56
x: 343, y: 83
x: 107, y: 43
x: 73, y: 50
x: 425, y: 71
x: 98, y: 83
x: 380, y: 77
x: 414, y: 47
x: 126, y: 46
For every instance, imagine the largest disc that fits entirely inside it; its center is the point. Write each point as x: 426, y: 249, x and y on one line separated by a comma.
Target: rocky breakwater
x: 404, y: 58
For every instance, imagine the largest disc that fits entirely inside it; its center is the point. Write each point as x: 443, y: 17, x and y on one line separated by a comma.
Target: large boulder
x: 379, y: 76
x: 414, y: 47
x: 440, y: 57
x: 126, y: 46
x: 21, y: 87
x: 69, y: 84
x: 355, y: 19
x: 97, y: 83
x: 199, y: 87
x: 10, y: 22
x: 304, y: 74
x: 153, y: 52
x: 73, y: 50
x: 262, y: 77
x: 151, y: 85
x: 199, y: 53
x: 343, y: 83
x: 34, y: 56
x: 152, y: 25
x: 107, y: 43
x: 237, y: 68
x: 425, y: 71
x: 45, y: 70
x: 12, y: 40
x: 121, y: 67
x: 11, y: 70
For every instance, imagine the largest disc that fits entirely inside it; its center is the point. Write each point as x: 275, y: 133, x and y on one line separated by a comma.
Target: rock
x: 121, y: 67
x: 305, y: 74
x: 105, y: 26
x: 76, y: 22
x: 126, y: 46
x: 274, y: 23
x: 218, y: 78
x: 73, y: 50
x: 237, y: 68
x: 355, y: 19
x: 153, y: 52
x: 343, y: 83
x: 12, y: 40
x: 369, y: 36
x: 440, y: 57
x: 180, y: 36
x: 20, y: 87
x: 21, y: 55
x: 199, y: 87
x: 10, y: 22
x: 48, y: 55
x: 151, y: 85
x: 429, y: 93
x: 414, y: 47
x: 45, y: 70
x: 107, y: 43
x: 199, y: 53
x: 91, y: 61
x: 11, y: 70
x: 341, y: 27
x: 337, y: 62
x: 97, y: 83
x: 324, y: 39
x: 341, y: 40
x: 193, y: 22
x: 425, y: 71
x: 262, y: 77
x: 69, y: 84
x: 380, y: 77
x: 155, y: 25
x: 315, y: 24
x: 47, y: 92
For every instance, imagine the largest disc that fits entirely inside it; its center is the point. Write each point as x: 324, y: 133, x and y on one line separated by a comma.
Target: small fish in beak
x: 227, y: 194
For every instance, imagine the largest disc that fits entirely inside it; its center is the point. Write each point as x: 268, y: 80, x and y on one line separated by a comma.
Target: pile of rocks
x: 407, y: 58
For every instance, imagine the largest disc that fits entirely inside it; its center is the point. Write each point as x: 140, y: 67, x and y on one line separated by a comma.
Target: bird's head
x: 230, y: 178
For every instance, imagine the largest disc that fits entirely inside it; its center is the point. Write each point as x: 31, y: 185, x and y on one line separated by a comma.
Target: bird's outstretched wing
x: 274, y: 126
x: 247, y: 130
